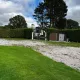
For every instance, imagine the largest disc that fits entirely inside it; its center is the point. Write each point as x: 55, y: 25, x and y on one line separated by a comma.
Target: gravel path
x: 67, y: 55
x: 20, y: 42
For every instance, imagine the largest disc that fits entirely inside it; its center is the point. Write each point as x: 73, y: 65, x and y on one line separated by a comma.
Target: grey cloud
x: 73, y: 10
x: 10, y: 8
x: 76, y: 2
x: 75, y: 15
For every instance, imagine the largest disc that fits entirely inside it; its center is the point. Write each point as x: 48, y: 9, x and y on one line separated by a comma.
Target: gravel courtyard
x: 67, y: 55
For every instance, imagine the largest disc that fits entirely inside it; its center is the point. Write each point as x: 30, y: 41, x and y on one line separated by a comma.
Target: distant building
x: 57, y: 37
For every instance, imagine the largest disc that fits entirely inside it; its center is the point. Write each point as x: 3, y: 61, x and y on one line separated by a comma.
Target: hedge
x: 16, y: 33
x: 4, y: 33
x: 72, y: 34
x: 28, y: 33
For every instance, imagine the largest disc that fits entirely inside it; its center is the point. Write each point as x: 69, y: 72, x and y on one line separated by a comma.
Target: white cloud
x: 31, y: 21
x: 73, y: 10
x: 10, y: 8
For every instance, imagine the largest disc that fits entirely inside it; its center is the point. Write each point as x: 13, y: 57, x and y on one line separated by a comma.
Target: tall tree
x: 17, y: 22
x: 56, y: 9
x: 39, y: 14
x: 61, y: 24
x: 50, y: 11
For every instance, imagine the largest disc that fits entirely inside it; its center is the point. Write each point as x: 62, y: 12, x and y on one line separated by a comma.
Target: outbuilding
x: 57, y: 37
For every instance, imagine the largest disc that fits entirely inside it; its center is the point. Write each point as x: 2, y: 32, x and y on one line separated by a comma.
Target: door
x: 61, y: 37
x: 53, y: 36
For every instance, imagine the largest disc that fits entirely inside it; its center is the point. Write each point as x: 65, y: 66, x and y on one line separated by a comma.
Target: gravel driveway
x: 67, y: 55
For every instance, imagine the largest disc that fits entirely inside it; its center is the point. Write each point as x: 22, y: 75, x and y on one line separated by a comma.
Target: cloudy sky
x: 73, y: 9
x: 10, y: 8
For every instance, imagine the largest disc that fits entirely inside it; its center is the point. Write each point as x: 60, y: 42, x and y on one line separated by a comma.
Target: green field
x: 21, y: 63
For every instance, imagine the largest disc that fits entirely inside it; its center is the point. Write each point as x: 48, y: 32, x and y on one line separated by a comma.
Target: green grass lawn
x: 20, y: 63
x: 70, y: 44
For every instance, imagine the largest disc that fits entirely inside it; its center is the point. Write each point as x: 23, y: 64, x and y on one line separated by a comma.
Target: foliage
x: 56, y: 9
x: 28, y: 33
x: 50, y: 11
x: 21, y: 63
x: 17, y: 22
x: 61, y: 24
x: 4, y: 33
x: 16, y: 33
x: 72, y: 24
x: 73, y: 35
x: 39, y: 14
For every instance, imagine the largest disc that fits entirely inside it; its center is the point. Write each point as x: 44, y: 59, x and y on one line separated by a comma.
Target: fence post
x: 32, y: 35
x: 45, y: 36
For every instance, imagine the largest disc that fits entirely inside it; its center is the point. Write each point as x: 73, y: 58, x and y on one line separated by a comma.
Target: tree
x: 61, y: 24
x: 17, y: 22
x: 72, y: 24
x: 56, y: 9
x: 50, y: 11
x: 39, y: 14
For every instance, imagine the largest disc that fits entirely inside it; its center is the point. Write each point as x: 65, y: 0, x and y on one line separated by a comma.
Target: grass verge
x: 70, y: 44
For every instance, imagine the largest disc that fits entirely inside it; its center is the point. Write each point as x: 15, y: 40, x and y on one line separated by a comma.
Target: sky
x: 11, y: 8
